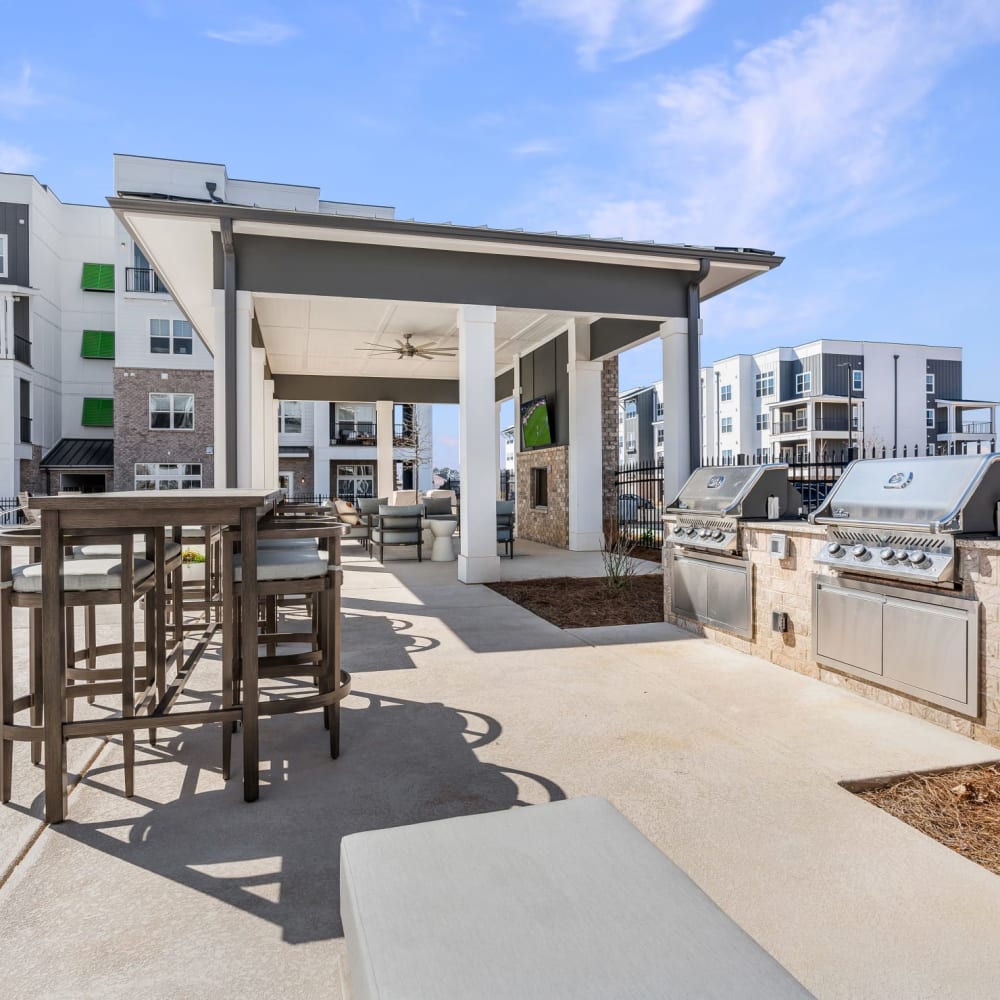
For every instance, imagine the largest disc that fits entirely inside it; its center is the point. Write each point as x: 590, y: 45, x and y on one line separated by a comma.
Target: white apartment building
x: 828, y: 395
x: 640, y: 425
x: 106, y: 384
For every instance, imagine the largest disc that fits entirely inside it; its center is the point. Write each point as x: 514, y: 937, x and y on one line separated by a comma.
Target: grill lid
x: 953, y: 493
x: 726, y: 489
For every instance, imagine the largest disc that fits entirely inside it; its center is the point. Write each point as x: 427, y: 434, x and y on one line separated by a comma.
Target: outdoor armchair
x: 398, y: 526
x: 505, y: 526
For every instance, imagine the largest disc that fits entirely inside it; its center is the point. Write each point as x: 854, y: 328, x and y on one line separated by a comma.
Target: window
x: 630, y: 446
x: 352, y: 423
x: 171, y: 411
x: 802, y: 419
x: 141, y: 277
x: 803, y: 383
x: 289, y: 417
x: 25, y: 400
x: 98, y: 278
x: 855, y: 417
x: 930, y: 382
x: 659, y: 409
x: 659, y: 435
x: 98, y: 413
x: 857, y: 380
x: 167, y: 338
x: 167, y: 476
x: 764, y: 384
x: 540, y: 488
x: 356, y: 480
x: 802, y: 453
x: 631, y: 408
x: 931, y: 418
x: 98, y: 344
x: 726, y: 425
x: 726, y: 393
x: 762, y: 421
x: 3, y: 255
x: 727, y: 457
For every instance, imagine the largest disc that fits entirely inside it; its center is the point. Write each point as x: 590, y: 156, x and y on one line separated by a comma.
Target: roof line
x: 158, y: 205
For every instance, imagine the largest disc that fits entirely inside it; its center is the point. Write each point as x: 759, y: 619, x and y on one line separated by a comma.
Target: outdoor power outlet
x: 779, y: 621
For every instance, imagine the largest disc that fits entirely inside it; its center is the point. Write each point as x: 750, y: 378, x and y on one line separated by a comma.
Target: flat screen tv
x: 536, y: 431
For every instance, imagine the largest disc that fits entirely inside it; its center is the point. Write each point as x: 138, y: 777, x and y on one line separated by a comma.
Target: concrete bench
x: 566, y: 900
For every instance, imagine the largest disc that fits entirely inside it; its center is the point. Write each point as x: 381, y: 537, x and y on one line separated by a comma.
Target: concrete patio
x: 463, y: 703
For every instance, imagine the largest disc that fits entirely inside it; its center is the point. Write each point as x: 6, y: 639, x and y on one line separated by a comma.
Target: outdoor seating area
x: 438, y: 725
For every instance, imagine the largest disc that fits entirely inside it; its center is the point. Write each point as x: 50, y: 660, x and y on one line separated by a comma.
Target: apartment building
x: 57, y: 342
x: 105, y: 383
x: 830, y: 395
x: 640, y: 425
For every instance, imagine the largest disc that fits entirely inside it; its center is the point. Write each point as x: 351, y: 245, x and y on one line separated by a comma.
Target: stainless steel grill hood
x: 897, y: 517
x: 715, y: 498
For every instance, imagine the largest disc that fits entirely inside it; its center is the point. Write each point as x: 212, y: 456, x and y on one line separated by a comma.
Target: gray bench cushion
x: 285, y: 564
x: 566, y: 900
x: 171, y: 549
x: 86, y: 573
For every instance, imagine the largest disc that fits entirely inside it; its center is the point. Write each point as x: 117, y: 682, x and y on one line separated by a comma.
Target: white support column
x: 676, y: 461
x: 586, y: 495
x: 498, y: 427
x: 260, y: 429
x: 249, y: 387
x: 478, y: 561
x: 271, y: 436
x: 219, y: 387
x: 383, y: 447
x: 517, y: 408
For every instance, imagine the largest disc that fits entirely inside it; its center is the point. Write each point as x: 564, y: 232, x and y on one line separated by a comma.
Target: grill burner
x: 898, y: 518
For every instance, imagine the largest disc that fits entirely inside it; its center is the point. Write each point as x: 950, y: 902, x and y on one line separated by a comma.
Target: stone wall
x: 786, y: 585
x: 609, y: 442
x: 136, y: 442
x: 549, y: 525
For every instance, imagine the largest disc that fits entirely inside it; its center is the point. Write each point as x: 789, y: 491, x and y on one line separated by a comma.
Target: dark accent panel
x: 543, y: 373
x: 21, y: 317
x: 835, y: 378
x: 504, y: 386
x: 947, y: 379
x: 11, y: 216
x: 609, y: 336
x: 326, y: 387
x: 311, y: 267
x: 787, y: 370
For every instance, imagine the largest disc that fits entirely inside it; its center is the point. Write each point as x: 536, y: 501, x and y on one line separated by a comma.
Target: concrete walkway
x: 465, y: 703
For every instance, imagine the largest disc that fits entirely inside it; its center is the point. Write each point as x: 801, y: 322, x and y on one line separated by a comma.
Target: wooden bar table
x: 142, y: 509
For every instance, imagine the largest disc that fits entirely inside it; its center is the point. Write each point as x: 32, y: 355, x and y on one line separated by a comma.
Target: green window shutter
x: 98, y: 412
x: 98, y: 278
x: 98, y: 344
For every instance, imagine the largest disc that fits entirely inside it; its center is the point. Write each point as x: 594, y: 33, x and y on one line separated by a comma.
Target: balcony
x: 977, y: 427
x: 144, y: 279
x: 22, y: 350
x: 834, y: 424
x: 402, y: 436
x: 353, y: 432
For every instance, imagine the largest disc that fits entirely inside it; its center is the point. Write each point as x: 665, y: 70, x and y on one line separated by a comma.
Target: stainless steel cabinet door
x: 849, y: 628
x: 714, y: 591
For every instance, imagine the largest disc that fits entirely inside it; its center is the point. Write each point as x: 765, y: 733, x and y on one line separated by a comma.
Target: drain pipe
x: 895, y: 404
x: 694, y: 363
x: 229, y: 344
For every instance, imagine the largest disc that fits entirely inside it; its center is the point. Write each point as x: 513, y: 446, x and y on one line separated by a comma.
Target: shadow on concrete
x: 375, y: 642
x: 278, y: 858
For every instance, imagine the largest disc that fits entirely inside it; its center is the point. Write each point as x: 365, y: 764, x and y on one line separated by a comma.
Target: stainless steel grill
x: 898, y: 518
x: 713, y: 501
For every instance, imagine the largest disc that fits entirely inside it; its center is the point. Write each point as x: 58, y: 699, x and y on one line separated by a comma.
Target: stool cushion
x: 87, y: 573
x: 286, y: 543
x: 285, y: 564
x: 171, y: 549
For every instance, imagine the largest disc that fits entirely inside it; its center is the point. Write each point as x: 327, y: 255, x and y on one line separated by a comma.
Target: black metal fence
x: 508, y: 485
x: 10, y: 511
x: 639, y: 510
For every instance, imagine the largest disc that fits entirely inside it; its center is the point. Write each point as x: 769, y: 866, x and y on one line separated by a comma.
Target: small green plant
x: 619, y: 565
x: 192, y: 556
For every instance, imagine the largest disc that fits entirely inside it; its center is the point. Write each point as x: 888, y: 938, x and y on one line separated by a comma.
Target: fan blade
x: 441, y: 352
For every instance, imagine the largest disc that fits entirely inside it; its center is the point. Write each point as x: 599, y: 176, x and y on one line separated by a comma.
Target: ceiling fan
x: 406, y: 349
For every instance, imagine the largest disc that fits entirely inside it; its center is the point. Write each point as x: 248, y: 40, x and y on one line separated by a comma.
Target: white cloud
x: 816, y: 128
x: 21, y: 94
x: 255, y: 31
x: 623, y: 29
x: 16, y: 159
x: 535, y: 147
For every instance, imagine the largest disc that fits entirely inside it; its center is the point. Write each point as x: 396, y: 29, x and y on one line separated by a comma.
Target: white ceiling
x: 318, y: 335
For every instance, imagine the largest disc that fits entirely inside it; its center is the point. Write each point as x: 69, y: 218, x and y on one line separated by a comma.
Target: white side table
x: 443, y: 549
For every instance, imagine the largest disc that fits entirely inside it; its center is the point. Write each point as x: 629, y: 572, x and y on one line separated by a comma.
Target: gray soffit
x: 243, y: 213
x: 280, y: 265
x: 504, y: 385
x: 402, y: 390
x: 608, y: 336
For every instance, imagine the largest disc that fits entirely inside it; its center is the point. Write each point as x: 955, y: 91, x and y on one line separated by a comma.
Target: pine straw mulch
x: 585, y: 602
x: 960, y: 809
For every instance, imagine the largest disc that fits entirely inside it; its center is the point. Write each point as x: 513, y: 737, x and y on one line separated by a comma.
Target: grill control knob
x: 718, y: 536
x: 678, y: 530
x: 917, y: 558
x: 835, y: 549
x: 705, y: 532
x: 886, y: 555
x: 692, y: 532
x: 900, y: 555
x: 860, y: 552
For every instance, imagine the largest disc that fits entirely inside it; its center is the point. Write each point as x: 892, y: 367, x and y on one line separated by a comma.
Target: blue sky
x: 859, y: 139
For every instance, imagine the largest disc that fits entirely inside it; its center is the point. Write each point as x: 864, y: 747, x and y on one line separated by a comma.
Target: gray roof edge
x: 153, y: 205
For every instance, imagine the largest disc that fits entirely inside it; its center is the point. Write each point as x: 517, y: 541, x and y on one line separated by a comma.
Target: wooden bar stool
x: 89, y: 581
x: 291, y: 567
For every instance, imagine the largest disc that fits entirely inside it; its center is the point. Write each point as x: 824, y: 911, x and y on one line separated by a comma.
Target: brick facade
x: 301, y: 471
x: 31, y: 476
x: 549, y: 525
x: 609, y: 442
x: 136, y: 442
x: 786, y: 585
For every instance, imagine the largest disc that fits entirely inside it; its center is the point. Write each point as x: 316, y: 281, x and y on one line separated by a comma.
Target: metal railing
x: 22, y: 350
x: 353, y: 432
x: 10, y: 511
x: 977, y: 427
x: 402, y: 435
x: 639, y: 504
x: 144, y: 279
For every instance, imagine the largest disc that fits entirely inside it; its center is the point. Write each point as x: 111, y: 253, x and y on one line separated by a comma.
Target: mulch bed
x: 960, y: 809
x: 584, y: 602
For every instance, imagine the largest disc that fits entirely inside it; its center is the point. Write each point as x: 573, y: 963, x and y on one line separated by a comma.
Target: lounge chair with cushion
x: 505, y: 526
x: 398, y: 526
x: 437, y: 509
x: 356, y: 526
